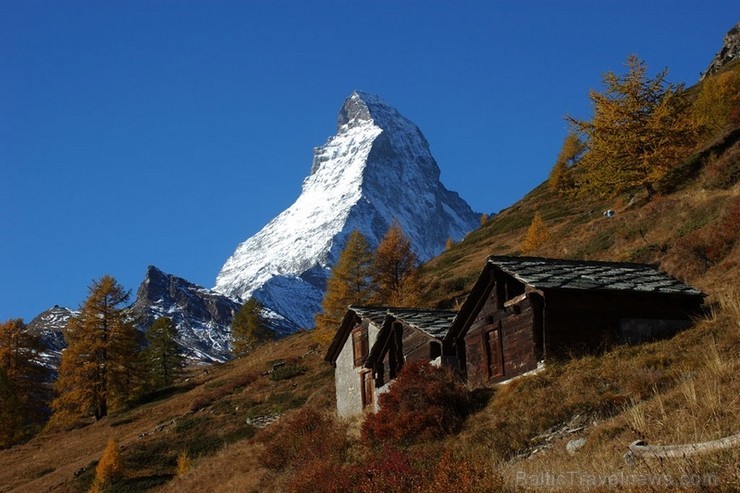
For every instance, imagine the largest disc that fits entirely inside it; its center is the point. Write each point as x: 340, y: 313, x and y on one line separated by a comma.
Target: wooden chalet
x: 372, y: 345
x: 523, y: 310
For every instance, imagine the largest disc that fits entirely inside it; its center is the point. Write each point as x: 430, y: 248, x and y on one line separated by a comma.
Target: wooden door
x: 366, y: 384
x: 495, y: 353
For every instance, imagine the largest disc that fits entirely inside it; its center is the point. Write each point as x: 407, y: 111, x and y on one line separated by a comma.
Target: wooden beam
x: 641, y: 449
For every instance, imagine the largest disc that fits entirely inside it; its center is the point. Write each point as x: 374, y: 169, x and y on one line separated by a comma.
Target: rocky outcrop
x: 730, y: 51
x: 202, y: 317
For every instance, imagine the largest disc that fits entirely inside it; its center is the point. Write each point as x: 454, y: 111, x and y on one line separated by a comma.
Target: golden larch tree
x: 101, y: 367
x: 561, y: 175
x: 395, y: 269
x: 536, y: 236
x: 349, y: 282
x: 641, y: 129
x: 248, y: 328
x: 109, y: 468
x: 718, y: 102
x: 20, y: 374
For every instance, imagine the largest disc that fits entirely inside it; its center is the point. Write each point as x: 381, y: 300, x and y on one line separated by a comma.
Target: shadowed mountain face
x: 202, y: 316
x: 377, y: 169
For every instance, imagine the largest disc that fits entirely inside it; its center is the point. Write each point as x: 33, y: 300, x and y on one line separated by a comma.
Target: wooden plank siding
x: 503, y: 343
x: 405, y: 344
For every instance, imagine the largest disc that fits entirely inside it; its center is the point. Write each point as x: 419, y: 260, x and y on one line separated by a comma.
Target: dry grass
x: 150, y: 442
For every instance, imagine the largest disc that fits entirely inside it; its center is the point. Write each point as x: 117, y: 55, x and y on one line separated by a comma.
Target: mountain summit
x: 377, y: 169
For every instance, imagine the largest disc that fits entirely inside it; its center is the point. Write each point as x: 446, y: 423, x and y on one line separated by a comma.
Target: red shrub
x: 423, y: 403
x: 708, y: 246
x: 302, y: 438
x: 324, y: 475
x: 389, y: 470
x: 463, y: 475
x: 722, y: 238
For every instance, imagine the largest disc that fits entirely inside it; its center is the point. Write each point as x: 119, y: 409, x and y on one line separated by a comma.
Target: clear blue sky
x: 166, y: 132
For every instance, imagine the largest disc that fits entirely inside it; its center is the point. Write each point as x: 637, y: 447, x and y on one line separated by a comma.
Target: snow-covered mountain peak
x: 376, y: 169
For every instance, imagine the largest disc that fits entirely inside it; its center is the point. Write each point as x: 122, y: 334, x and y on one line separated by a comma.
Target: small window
x: 359, y: 345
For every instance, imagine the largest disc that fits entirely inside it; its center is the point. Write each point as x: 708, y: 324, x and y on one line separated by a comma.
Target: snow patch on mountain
x: 49, y: 326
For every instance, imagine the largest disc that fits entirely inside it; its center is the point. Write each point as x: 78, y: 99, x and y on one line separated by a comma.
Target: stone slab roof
x: 436, y: 323
x: 546, y: 273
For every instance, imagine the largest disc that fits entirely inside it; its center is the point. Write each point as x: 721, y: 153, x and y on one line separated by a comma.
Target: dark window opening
x: 435, y: 350
x: 513, y: 288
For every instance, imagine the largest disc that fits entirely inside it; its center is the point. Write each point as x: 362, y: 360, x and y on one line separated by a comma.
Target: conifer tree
x: 395, y: 270
x: 248, y: 329
x: 536, y: 235
x: 101, y: 367
x: 162, y: 355
x: 349, y: 282
x: 20, y: 404
x: 641, y: 129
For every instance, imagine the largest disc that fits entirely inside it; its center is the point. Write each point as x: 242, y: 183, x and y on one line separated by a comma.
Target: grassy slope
x: 677, y: 391
x: 206, y: 416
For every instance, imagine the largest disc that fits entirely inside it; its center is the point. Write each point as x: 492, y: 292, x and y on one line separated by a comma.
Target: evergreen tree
x: 162, y: 355
x: 395, y: 270
x: 248, y: 329
x: 349, y: 282
x: 20, y: 404
x: 101, y: 367
x: 640, y: 130
x: 536, y: 235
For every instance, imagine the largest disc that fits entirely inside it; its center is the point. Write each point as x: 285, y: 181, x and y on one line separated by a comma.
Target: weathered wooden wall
x: 517, y: 326
x: 405, y: 344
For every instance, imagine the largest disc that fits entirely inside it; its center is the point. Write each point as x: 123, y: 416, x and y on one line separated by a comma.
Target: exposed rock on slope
x: 730, y: 51
x: 202, y: 317
x: 49, y: 326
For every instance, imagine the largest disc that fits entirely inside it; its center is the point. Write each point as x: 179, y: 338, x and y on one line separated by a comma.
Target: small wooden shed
x: 372, y: 345
x: 523, y: 310
x: 408, y: 335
